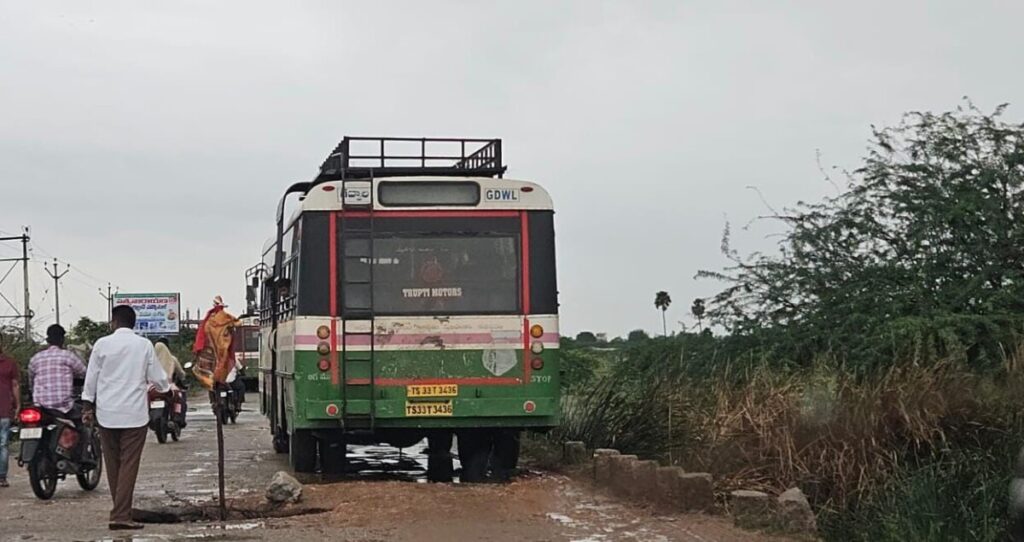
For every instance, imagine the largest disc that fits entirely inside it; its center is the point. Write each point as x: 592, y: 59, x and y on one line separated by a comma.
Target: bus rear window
x: 428, y: 275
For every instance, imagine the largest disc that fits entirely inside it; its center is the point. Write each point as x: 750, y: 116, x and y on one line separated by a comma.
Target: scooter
x: 167, y: 413
x: 229, y: 404
x: 53, y: 447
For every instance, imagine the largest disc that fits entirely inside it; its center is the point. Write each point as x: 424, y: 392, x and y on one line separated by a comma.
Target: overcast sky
x: 147, y: 143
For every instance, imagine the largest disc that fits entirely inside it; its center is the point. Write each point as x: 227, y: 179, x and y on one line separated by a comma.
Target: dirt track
x: 388, y: 501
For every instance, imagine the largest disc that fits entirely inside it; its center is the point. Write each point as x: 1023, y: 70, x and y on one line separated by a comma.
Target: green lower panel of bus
x: 454, y: 388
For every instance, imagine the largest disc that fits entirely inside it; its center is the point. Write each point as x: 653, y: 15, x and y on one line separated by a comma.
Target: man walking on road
x: 121, y: 369
x: 10, y: 404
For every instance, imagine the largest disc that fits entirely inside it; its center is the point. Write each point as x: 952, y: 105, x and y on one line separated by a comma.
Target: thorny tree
x: 920, y: 257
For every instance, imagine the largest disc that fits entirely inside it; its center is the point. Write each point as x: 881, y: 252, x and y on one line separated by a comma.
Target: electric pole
x: 24, y: 270
x: 26, y: 312
x: 56, y: 285
x: 110, y: 301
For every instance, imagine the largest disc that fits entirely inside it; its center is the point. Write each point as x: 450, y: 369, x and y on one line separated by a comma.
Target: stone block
x: 644, y: 485
x: 752, y: 509
x: 603, y: 467
x: 696, y: 492
x: 621, y: 469
x: 574, y: 453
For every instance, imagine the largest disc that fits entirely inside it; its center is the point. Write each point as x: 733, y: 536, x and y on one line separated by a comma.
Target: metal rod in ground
x: 217, y: 410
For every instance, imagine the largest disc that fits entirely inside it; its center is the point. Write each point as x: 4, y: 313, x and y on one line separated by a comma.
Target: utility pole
x: 24, y: 270
x: 56, y: 286
x: 26, y: 312
x: 110, y: 301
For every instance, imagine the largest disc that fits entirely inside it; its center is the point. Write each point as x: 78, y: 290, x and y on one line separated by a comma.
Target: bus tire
x: 440, y: 468
x: 474, y: 451
x: 302, y: 451
x: 505, y: 454
x: 280, y: 442
x: 333, y: 456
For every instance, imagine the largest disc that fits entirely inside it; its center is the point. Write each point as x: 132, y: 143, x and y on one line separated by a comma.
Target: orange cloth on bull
x: 215, y: 333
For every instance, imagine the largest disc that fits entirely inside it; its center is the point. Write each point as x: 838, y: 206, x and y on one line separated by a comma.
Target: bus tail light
x: 536, y: 331
x: 529, y: 407
x: 323, y: 332
x: 323, y: 348
x: 324, y: 365
x: 537, y: 348
x: 537, y: 364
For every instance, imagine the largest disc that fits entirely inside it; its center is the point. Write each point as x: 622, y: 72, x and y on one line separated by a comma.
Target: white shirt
x: 121, y: 368
x: 234, y: 373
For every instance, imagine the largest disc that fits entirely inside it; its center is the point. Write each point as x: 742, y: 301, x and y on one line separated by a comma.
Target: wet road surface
x: 386, y: 500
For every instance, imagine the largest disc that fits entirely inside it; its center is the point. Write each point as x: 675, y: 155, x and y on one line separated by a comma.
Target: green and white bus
x: 411, y: 295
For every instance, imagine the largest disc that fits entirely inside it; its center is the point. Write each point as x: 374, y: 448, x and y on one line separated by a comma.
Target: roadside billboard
x: 157, y: 314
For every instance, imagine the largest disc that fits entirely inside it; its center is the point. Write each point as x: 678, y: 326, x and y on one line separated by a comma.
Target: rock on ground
x: 795, y: 514
x: 284, y: 488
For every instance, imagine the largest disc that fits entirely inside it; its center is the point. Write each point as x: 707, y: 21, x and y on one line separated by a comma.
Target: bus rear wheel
x: 439, y: 457
x: 505, y: 453
x: 333, y: 456
x: 474, y: 451
x: 302, y: 451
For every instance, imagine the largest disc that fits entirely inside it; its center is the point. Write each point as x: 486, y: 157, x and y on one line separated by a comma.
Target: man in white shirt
x: 121, y: 369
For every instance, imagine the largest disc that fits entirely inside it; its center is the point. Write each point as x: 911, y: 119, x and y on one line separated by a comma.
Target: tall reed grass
x: 902, y: 453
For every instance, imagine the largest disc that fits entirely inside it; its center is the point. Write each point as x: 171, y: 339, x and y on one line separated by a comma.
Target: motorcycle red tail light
x: 30, y: 416
x: 68, y: 438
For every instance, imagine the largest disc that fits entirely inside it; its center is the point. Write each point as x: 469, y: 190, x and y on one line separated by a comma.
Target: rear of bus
x: 423, y: 305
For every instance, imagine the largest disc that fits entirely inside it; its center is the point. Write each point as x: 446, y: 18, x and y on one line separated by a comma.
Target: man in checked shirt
x: 52, y: 373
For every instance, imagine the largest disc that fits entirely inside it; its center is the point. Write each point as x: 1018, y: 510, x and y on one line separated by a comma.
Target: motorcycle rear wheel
x: 161, y: 431
x: 42, y: 476
x: 90, y: 479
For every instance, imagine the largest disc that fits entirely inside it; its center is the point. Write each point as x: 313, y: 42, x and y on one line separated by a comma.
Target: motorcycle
x: 167, y: 413
x: 53, y: 447
x: 229, y: 404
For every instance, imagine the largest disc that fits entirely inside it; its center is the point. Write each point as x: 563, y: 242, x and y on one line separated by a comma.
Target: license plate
x: 29, y: 433
x: 156, y: 404
x: 434, y: 408
x: 432, y: 390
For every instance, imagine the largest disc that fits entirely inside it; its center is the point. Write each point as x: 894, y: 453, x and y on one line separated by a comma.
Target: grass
x: 912, y: 452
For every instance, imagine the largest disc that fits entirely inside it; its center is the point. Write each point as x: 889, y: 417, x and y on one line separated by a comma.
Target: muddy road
x: 387, y: 500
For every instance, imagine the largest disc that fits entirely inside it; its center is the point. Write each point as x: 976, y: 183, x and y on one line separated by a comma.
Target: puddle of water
x: 561, y: 518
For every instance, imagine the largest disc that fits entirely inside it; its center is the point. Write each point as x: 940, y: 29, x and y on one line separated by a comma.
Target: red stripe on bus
x: 412, y: 339
x: 468, y: 381
x: 432, y: 214
x: 525, y: 220
x: 333, y: 265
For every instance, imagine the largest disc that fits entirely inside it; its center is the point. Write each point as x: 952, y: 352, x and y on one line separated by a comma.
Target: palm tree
x: 661, y: 301
x: 698, y: 310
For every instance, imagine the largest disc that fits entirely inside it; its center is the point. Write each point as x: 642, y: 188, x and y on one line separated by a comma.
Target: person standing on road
x: 122, y: 367
x: 10, y: 404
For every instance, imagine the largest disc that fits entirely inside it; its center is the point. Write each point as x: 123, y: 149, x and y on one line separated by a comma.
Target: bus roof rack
x: 374, y: 157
